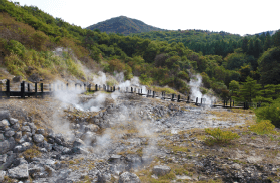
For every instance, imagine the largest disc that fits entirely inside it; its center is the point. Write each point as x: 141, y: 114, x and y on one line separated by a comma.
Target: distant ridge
x: 123, y: 25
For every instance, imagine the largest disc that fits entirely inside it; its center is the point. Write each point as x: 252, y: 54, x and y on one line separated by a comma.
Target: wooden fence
x: 41, y: 90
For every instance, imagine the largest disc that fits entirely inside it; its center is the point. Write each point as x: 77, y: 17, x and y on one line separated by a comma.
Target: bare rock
x: 128, y: 177
x: 17, y: 79
x: 20, y: 172
x: 161, y: 169
x: 38, y: 138
x: 4, y: 147
x: 4, y: 115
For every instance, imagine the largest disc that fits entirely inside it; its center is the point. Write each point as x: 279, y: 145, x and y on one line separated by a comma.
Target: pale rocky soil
x: 132, y: 139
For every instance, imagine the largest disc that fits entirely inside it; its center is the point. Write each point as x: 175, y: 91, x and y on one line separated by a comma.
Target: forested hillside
x: 123, y: 25
x: 29, y: 36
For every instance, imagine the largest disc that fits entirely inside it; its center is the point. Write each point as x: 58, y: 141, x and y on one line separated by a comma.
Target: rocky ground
x: 132, y: 139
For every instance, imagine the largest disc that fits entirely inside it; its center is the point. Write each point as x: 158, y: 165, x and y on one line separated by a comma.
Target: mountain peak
x: 123, y: 25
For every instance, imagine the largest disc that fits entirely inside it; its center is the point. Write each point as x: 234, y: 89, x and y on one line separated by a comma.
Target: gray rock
x: 18, y: 149
x: 78, y: 142
x: 92, y: 128
x: 26, y: 145
x: 161, y: 169
x: 16, y: 126
x: 3, y: 158
x: 18, y: 135
x: 4, y: 147
x: 12, y: 142
x: 4, y: 124
x: 37, y: 171
x: 17, y: 79
x: 10, y: 133
x: 4, y: 115
x: 26, y: 129
x: 38, y: 138
x: 8, y: 162
x: 128, y: 177
x: 41, y: 131
x: 1, y: 137
x: 19, y: 172
x: 49, y: 170
x: 13, y: 121
x: 19, y: 161
x: 2, y: 175
x: 103, y: 177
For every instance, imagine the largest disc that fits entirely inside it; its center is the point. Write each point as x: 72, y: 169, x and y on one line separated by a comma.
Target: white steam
x: 195, y: 85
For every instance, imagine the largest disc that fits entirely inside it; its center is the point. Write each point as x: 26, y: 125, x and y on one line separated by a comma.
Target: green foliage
x: 217, y: 136
x: 270, y: 112
x: 263, y: 127
x: 15, y: 47
x: 235, y: 60
x: 249, y: 90
x: 269, y: 66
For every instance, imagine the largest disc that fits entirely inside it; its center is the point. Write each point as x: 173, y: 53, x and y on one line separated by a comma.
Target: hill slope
x: 123, y: 25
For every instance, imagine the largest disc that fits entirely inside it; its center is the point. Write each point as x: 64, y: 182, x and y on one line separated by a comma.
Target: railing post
x: 196, y: 101
x: 114, y: 88
x: 230, y: 102
x: 154, y: 94
x: 8, y: 90
x: 23, y: 89
x: 42, y: 89
x: 178, y: 100
x: 36, y: 89
x: 28, y: 89
x: 96, y: 87
x: 201, y: 101
x: 233, y: 103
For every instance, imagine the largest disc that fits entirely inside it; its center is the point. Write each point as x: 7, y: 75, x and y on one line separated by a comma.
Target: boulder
x: 161, y: 169
x: 4, y: 147
x: 35, y: 78
x: 38, y: 138
x: 78, y: 142
x: 41, y: 131
x: 18, y: 135
x: 10, y: 133
x: 2, y: 175
x: 16, y: 126
x: 17, y: 79
x: 26, y: 129
x: 19, y: 172
x: 13, y: 121
x: 4, y: 124
x: 4, y: 115
x: 103, y: 177
x: 128, y: 177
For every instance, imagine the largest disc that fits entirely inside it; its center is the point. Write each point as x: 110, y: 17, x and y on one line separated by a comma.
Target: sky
x: 233, y: 16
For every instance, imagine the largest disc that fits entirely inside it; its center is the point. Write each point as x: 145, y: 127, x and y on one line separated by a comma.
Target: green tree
x: 249, y: 89
x: 267, y: 43
x: 235, y: 60
x: 269, y: 66
x: 276, y: 38
x: 234, y: 88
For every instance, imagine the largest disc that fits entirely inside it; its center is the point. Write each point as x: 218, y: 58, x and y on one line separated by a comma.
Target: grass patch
x: 263, y: 127
x: 217, y: 136
x: 31, y: 153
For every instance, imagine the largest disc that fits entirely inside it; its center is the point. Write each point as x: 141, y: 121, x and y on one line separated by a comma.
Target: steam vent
x: 128, y: 133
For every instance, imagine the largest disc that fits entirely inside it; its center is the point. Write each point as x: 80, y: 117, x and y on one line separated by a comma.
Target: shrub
x: 264, y: 127
x: 271, y: 113
x: 217, y: 136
